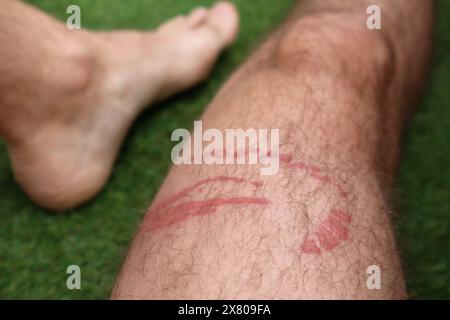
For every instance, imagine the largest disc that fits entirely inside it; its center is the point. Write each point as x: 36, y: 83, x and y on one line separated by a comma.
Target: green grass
x: 36, y: 246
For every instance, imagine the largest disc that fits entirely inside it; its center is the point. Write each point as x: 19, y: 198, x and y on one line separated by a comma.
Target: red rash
x: 184, y: 211
x: 197, y: 188
x: 329, y: 234
x: 184, y: 205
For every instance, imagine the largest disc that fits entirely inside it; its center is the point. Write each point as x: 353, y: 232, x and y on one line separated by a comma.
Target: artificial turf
x: 37, y: 246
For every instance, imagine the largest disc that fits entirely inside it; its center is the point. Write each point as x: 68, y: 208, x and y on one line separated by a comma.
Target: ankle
x: 74, y: 67
x: 65, y: 79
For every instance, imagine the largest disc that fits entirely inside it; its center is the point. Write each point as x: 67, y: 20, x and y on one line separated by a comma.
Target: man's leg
x: 68, y: 97
x: 340, y: 94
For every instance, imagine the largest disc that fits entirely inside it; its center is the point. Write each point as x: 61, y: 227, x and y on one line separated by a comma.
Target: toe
x: 197, y: 16
x: 223, y: 18
x: 173, y: 24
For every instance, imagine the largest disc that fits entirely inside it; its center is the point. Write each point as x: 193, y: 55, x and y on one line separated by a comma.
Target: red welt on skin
x: 331, y: 233
x: 183, y: 205
x: 187, y: 210
x: 197, y: 188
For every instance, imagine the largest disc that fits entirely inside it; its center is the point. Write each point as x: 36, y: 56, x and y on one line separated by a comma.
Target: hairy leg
x: 68, y: 97
x: 340, y: 95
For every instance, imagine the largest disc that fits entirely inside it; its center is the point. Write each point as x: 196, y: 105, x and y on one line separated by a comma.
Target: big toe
x: 223, y: 19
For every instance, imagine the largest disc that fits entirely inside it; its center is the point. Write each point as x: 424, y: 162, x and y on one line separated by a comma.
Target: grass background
x: 36, y: 246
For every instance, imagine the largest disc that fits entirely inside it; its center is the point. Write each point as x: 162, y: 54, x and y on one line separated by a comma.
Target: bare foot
x: 66, y: 155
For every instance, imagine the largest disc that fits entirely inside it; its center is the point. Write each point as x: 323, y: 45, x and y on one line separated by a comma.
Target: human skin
x: 68, y: 97
x: 340, y: 95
